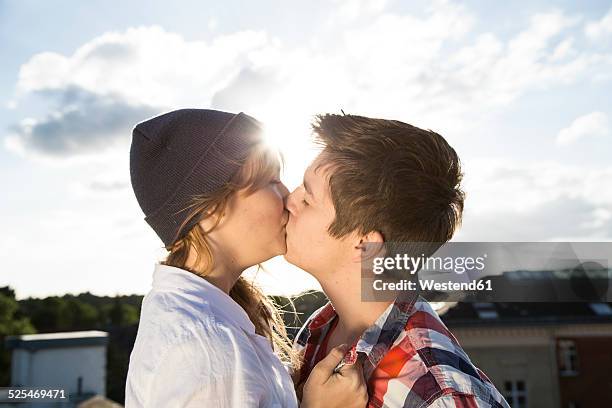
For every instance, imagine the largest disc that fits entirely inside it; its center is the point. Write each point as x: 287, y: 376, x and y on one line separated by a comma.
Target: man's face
x: 311, y: 211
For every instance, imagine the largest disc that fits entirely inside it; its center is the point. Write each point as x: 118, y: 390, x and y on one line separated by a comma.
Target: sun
x: 291, y: 136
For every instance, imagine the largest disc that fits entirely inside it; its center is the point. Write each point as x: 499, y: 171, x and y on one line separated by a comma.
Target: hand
x: 344, y: 389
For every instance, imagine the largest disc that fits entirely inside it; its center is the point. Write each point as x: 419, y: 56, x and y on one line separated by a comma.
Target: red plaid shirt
x: 410, y: 359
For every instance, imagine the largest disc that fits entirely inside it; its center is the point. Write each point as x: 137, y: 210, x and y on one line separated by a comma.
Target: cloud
x: 102, y: 178
x: 120, y: 78
x: 108, y: 186
x: 437, y: 69
x: 594, y: 124
x: 556, y: 219
x: 432, y: 70
x: 249, y: 88
x: 86, y: 122
x: 492, y: 73
x: 352, y: 9
x: 598, y: 30
x: 147, y: 65
x: 515, y: 201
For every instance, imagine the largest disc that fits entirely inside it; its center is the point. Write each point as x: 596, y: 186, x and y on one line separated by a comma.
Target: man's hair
x: 391, y: 177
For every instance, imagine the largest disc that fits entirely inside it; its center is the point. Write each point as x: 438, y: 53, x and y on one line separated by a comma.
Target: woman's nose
x: 284, y: 190
x: 290, y: 202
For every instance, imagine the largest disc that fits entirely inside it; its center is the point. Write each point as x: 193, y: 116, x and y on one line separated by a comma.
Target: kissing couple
x: 210, y: 188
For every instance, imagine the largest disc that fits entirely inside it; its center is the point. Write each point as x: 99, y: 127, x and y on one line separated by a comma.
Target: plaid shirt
x: 410, y: 359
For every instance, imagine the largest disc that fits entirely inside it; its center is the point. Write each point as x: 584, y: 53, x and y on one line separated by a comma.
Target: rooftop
x: 55, y: 340
x: 526, y: 313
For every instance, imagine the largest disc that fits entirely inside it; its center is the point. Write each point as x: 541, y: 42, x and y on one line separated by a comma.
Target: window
x: 568, y: 357
x: 601, y: 309
x: 516, y: 393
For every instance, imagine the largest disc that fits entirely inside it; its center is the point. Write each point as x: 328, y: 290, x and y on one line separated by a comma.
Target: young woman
x: 211, y: 191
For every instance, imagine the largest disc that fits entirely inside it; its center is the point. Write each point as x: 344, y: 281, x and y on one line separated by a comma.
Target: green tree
x: 52, y: 314
x: 121, y: 314
x: 11, y: 323
x: 84, y: 316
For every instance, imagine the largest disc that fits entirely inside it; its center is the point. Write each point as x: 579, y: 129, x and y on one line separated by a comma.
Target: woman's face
x: 252, y: 229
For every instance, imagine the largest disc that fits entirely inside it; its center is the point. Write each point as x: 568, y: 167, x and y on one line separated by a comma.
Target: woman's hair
x: 255, y: 172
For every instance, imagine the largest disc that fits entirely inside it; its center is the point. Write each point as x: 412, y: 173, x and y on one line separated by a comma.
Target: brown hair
x: 391, y: 177
x: 256, y: 171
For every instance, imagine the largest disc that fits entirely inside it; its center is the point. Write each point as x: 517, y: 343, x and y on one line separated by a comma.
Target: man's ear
x: 373, y: 236
x: 369, y: 246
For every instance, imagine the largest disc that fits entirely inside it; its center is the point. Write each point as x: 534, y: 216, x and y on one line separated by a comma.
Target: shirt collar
x: 391, y: 322
x: 379, y: 337
x: 325, y: 316
x: 199, y: 289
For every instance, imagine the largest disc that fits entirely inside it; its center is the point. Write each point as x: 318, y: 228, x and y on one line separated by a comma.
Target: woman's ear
x: 210, y: 221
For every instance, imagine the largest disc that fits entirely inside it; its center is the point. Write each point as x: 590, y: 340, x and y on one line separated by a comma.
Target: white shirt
x: 196, y: 347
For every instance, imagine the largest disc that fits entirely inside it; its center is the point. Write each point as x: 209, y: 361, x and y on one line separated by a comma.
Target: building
x: 540, y: 354
x: 72, y: 361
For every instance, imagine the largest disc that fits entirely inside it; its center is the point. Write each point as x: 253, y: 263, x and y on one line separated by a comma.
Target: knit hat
x: 185, y: 153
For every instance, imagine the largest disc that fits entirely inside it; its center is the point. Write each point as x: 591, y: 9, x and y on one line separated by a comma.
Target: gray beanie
x: 185, y: 153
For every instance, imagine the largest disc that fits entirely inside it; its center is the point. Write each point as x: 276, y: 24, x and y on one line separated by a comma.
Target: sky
x: 523, y: 93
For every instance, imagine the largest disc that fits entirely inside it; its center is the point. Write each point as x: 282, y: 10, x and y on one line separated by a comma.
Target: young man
x: 381, y: 181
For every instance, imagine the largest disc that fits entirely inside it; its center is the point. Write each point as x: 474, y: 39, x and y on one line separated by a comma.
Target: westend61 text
x: 428, y: 284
